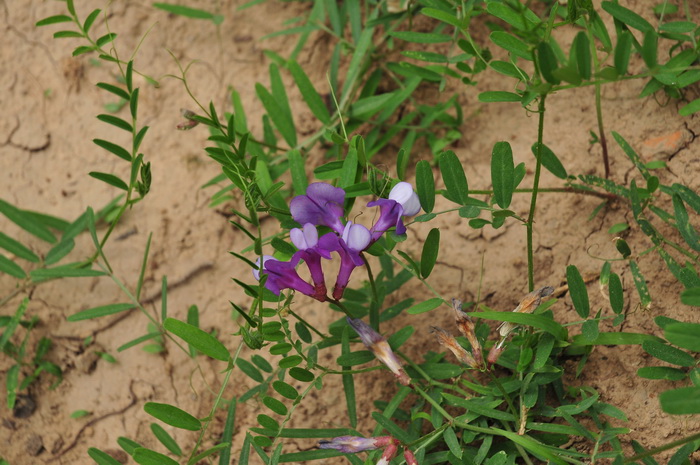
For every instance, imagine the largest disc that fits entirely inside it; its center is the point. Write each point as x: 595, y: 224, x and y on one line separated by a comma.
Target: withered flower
x: 379, y: 346
x: 467, y: 327
x: 354, y: 444
x: 528, y: 305
x: 446, y: 340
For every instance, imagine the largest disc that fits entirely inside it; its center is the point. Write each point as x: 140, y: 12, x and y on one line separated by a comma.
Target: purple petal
x: 404, y: 194
x: 356, y: 236
x: 322, y: 205
x: 390, y: 212
x: 304, y: 238
x: 283, y: 275
x: 256, y: 270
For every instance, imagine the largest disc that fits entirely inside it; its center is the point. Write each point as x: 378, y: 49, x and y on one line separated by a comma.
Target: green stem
x: 668, y: 446
x: 374, y: 304
x: 533, y: 201
x: 219, y: 395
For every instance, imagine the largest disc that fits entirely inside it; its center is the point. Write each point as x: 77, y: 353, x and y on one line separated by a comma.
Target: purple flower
x: 379, y: 346
x: 306, y: 240
x: 283, y: 275
x: 403, y: 193
x: 389, y: 217
x: 322, y: 205
x: 354, y: 444
x: 354, y: 240
x: 402, y: 201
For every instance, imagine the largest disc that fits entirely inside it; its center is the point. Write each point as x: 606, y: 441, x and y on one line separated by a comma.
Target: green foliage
x: 523, y: 411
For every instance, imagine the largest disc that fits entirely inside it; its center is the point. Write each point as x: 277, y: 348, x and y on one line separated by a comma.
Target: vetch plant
x: 512, y: 406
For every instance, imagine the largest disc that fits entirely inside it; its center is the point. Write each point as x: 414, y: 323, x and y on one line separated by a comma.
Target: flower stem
x: 533, y: 201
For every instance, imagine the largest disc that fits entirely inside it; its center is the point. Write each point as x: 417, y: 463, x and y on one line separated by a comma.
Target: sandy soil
x: 49, y: 103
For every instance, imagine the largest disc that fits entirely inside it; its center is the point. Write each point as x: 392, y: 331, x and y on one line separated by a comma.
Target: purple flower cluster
x: 322, y: 205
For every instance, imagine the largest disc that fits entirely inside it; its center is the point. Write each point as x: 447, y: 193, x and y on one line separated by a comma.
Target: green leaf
x: 442, y: 15
x: 102, y: 458
x: 689, y: 109
x: 425, y: 185
x: 224, y: 446
x: 110, y: 179
x: 278, y: 116
x: 681, y: 401
x: 582, y: 48
x: 80, y: 414
x: 98, y: 312
x: 549, y: 160
x: 613, y: 339
x: 452, y: 442
x: 13, y: 323
x: 128, y: 445
x: 649, y: 48
x: 578, y: 291
x: 54, y: 20
x: 629, y: 151
x: 297, y: 170
x: 137, y: 341
x: 67, y: 35
x: 166, y: 439
x: 66, y: 271
x: 82, y: 50
x: 227, y: 435
x: 352, y: 359
x: 536, y: 321
x: 684, y: 335
x: 511, y: 44
x: 309, y: 93
x: 691, y: 296
x: 668, y: 353
x: 17, y: 248
x: 189, y: 12
x: 502, y: 173
x: 627, y: 16
x: 197, y: 338
x: 26, y: 221
x: 454, y: 178
x: 144, y: 456
x: 425, y: 306
x: 9, y: 267
x: 173, y: 416
x: 623, y: 50
x: 350, y: 167
x: 105, y: 39
x: 547, y: 62
x: 250, y: 370
x: 499, y: 96
x: 91, y: 19
x: 115, y: 121
x: 118, y: 91
x: 683, y: 223
x: 275, y: 405
x: 615, y: 293
x: 421, y: 37
x: 641, y: 284
x: 355, y: 67
x: 301, y: 374
x: 429, y: 255
x: 285, y: 390
x: 11, y: 383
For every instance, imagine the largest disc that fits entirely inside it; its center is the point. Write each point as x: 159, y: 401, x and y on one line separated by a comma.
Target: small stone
x: 24, y: 406
x: 34, y: 445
